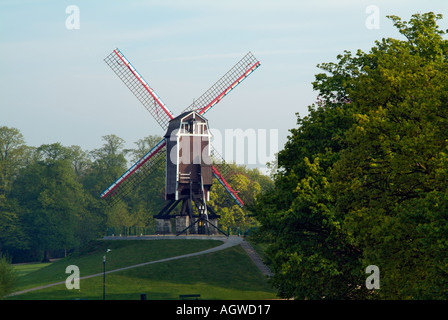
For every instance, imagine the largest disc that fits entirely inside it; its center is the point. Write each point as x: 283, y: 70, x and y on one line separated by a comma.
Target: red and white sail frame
x: 152, y: 102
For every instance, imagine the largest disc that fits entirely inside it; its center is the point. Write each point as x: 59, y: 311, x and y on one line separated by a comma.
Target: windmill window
x: 185, y: 127
x: 199, y: 128
x: 193, y: 128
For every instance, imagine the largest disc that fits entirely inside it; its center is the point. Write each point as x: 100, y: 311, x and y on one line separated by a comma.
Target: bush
x: 7, y: 276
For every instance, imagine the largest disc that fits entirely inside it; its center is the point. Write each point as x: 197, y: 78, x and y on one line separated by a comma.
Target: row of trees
x: 49, y: 195
x: 363, y: 180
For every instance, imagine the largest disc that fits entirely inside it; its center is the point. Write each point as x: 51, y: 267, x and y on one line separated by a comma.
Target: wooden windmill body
x: 188, y: 156
x: 188, y: 172
x: 191, y: 160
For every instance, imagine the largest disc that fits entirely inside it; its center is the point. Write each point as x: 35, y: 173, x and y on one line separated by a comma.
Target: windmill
x: 191, y: 161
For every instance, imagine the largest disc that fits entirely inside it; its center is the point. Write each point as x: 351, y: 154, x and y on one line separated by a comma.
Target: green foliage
x: 311, y: 257
x: 7, y: 277
x: 249, y: 183
x: 11, y: 151
x: 391, y: 178
x: 50, y: 199
x: 362, y: 181
x: 49, y: 195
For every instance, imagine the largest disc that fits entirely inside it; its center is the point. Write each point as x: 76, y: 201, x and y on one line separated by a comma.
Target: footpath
x: 228, y: 242
x: 256, y: 258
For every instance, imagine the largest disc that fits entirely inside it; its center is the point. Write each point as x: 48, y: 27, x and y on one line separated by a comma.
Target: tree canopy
x: 50, y: 203
x: 363, y: 179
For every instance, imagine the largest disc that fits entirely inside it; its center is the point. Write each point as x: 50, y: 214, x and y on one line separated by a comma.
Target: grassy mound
x: 226, y: 274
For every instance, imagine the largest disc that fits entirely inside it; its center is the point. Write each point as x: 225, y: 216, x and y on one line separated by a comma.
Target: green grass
x: 226, y: 274
x: 23, y: 269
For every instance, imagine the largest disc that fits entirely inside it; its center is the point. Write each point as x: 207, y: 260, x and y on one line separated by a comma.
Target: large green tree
x: 362, y: 180
x: 311, y: 257
x: 50, y: 200
x: 147, y: 199
x: 108, y: 163
x: 392, y: 178
x: 13, y: 156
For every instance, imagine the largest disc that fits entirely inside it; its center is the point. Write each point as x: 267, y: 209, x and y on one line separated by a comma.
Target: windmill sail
x: 151, y: 161
x: 227, y: 187
x: 139, y: 87
x: 152, y: 102
x: 210, y: 98
x: 227, y: 83
x: 222, y: 171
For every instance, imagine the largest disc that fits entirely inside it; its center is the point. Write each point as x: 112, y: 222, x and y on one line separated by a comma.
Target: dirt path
x: 256, y: 258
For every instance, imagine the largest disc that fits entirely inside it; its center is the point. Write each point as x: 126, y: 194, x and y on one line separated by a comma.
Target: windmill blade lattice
x: 127, y: 183
x: 155, y: 157
x: 139, y: 87
x: 219, y: 162
x: 222, y: 173
x: 227, y: 83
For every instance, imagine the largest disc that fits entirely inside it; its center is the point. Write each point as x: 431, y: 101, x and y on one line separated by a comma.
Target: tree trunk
x: 47, y: 256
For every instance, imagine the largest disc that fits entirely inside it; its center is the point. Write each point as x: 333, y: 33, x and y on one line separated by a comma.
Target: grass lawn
x: 23, y: 269
x: 227, y: 274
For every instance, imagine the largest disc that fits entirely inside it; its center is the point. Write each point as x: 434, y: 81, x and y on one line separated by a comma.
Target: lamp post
x: 104, y: 274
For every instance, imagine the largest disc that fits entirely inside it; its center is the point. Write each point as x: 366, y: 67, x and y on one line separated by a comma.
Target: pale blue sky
x: 55, y: 86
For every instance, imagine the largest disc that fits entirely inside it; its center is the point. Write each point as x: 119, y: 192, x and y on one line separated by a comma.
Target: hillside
x: 226, y: 274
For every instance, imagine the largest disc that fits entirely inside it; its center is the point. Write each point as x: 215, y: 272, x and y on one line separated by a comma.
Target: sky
x: 55, y: 86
